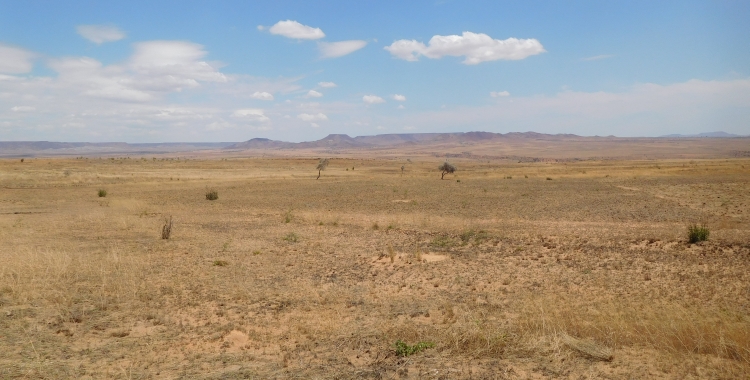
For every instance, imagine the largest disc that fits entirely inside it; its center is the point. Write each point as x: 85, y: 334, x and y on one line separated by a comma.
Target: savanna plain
x: 510, y: 270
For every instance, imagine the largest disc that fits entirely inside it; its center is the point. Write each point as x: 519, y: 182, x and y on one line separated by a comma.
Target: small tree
x: 446, y: 168
x: 322, y: 164
x: 402, y: 169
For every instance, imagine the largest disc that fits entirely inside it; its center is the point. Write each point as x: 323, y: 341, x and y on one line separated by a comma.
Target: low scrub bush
x: 166, y: 229
x: 403, y: 349
x: 212, y: 195
x: 102, y: 193
x: 697, y: 233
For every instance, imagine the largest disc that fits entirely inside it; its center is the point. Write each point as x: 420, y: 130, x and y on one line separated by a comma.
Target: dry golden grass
x: 284, y: 276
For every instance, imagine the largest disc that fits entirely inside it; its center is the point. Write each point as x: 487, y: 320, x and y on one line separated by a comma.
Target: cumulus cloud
x: 400, y: 106
x: 293, y: 29
x: 372, y: 99
x: 262, y: 95
x: 312, y: 117
x: 499, y: 94
x: 251, y: 114
x: 339, y: 49
x: 476, y: 47
x: 313, y: 94
x: 100, y: 34
x: 15, y: 60
x: 327, y: 84
x: 400, y: 98
x: 314, y: 125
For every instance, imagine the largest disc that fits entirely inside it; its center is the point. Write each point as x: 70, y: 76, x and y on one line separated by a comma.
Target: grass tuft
x: 166, y: 229
x: 291, y: 237
x: 697, y: 233
x: 102, y: 193
x: 212, y: 195
x: 403, y: 349
x: 220, y: 263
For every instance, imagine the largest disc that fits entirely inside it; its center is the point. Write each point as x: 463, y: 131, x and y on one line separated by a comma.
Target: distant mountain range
x: 332, y: 141
x: 719, y: 134
x: 386, y: 140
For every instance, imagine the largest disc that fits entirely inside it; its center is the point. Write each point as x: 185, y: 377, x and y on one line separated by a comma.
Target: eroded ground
x: 285, y: 276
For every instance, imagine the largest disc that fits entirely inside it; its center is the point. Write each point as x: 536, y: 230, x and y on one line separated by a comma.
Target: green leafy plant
x: 697, y: 233
x: 102, y: 193
x: 403, y: 349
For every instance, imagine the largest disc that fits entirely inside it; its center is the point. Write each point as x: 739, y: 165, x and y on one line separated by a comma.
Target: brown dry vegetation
x: 509, y: 274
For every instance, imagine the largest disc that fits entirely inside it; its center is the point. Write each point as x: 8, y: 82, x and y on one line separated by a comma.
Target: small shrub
x: 291, y: 237
x: 212, y: 195
x: 403, y: 349
x: 288, y: 216
x: 166, y: 229
x: 697, y: 233
x: 375, y: 226
x: 22, y: 160
x: 102, y: 193
x: 443, y: 242
x: 256, y: 252
x: 220, y: 263
x: 549, y: 178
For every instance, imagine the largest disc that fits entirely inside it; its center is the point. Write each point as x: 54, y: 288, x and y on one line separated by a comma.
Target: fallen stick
x: 588, y: 348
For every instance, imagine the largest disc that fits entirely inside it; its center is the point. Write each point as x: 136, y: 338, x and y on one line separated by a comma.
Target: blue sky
x: 150, y: 71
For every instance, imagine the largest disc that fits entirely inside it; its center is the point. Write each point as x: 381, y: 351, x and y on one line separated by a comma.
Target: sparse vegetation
x: 403, y: 349
x: 212, y: 195
x: 492, y: 273
x: 697, y: 233
x: 102, y: 193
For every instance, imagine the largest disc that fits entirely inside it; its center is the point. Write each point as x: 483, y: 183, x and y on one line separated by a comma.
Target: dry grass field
x: 505, y: 270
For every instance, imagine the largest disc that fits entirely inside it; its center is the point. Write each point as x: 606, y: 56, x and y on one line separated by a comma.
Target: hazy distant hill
x: 719, y: 134
x: 49, y: 148
x: 393, y: 139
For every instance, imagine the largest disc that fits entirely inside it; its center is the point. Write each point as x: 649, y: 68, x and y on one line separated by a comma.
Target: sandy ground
x: 285, y: 276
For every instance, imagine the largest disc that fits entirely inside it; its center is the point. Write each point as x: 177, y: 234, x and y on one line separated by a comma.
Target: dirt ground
x: 505, y: 269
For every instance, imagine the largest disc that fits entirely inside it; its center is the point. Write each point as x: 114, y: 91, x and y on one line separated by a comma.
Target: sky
x: 212, y: 71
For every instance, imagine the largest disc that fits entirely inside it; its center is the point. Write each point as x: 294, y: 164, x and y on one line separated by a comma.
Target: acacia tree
x: 322, y: 164
x: 446, y: 168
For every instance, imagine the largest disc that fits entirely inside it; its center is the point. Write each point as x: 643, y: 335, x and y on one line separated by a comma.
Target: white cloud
x: 313, y: 94
x: 400, y: 106
x: 327, y: 84
x: 314, y: 125
x: 261, y: 27
x: 253, y: 114
x: 380, y: 127
x: 99, y: 34
x: 293, y: 29
x: 339, y: 49
x: 476, y: 47
x: 372, y: 99
x: 500, y: 94
x: 400, y: 98
x: 597, y: 57
x: 312, y: 117
x: 15, y: 60
x: 262, y: 95
x: 22, y: 109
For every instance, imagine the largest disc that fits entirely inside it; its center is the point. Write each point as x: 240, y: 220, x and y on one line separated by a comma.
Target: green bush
x: 102, y: 193
x: 212, y: 195
x: 403, y: 349
x: 697, y: 233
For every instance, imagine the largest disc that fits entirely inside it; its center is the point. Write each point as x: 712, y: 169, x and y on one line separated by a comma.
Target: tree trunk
x: 318, y: 175
x: 442, y: 175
